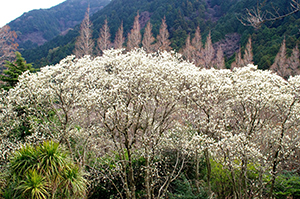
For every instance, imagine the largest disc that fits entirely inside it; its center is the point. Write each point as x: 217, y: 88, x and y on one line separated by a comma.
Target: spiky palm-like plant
x: 34, y: 186
x: 24, y: 159
x: 45, y: 171
x: 72, y: 183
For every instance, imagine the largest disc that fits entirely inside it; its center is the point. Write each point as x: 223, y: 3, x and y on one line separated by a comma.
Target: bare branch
x: 256, y: 17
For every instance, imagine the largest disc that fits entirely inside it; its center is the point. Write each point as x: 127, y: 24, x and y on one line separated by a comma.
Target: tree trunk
x: 208, y: 166
x: 197, y: 171
x: 147, y: 178
x: 130, y: 167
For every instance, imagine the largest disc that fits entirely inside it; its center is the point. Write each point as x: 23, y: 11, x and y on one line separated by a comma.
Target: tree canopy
x: 140, y: 122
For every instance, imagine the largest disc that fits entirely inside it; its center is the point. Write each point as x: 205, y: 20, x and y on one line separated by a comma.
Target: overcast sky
x: 12, y: 9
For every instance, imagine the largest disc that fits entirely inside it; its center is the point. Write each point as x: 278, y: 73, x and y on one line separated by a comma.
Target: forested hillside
x: 39, y: 26
x: 182, y: 18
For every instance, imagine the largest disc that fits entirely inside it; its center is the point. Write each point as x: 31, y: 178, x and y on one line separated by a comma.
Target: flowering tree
x: 133, y: 118
x: 253, y: 110
x: 247, y: 117
x: 118, y: 107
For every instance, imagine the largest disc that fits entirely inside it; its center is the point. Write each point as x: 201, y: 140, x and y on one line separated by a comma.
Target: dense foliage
x: 152, y: 125
x: 14, y: 70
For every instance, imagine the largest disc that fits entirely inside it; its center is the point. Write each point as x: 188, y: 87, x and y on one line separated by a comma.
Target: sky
x: 12, y: 9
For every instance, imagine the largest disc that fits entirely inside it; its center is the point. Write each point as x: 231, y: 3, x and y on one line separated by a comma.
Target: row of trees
x: 204, y: 56
x: 137, y: 122
x: 85, y: 45
x: 286, y: 66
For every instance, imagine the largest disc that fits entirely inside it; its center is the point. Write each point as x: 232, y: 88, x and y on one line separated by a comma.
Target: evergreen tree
x: 14, y: 70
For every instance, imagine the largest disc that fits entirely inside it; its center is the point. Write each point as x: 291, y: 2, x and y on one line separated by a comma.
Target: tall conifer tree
x: 148, y: 39
x: 220, y: 62
x: 163, y: 42
x: 134, y: 37
x: 248, y: 55
x: 103, y: 41
x: 209, y: 52
x: 280, y: 65
x: 189, y: 49
x: 84, y: 44
x: 119, y: 38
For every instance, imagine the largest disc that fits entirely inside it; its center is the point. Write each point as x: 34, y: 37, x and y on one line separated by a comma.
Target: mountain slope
x: 39, y: 26
x: 183, y: 16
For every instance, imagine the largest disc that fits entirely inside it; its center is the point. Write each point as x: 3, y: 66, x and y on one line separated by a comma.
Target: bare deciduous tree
x: 209, y: 52
x: 163, y: 42
x: 197, y: 44
x: 84, y: 44
x: 256, y: 17
x: 103, y: 41
x: 238, y: 62
x: 280, y: 65
x: 119, y: 38
x: 134, y: 37
x: 248, y: 55
x: 220, y: 61
x: 294, y: 62
x: 189, y: 50
x: 148, y: 39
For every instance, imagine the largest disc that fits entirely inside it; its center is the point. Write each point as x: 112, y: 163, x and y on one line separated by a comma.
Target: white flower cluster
x: 134, y: 103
